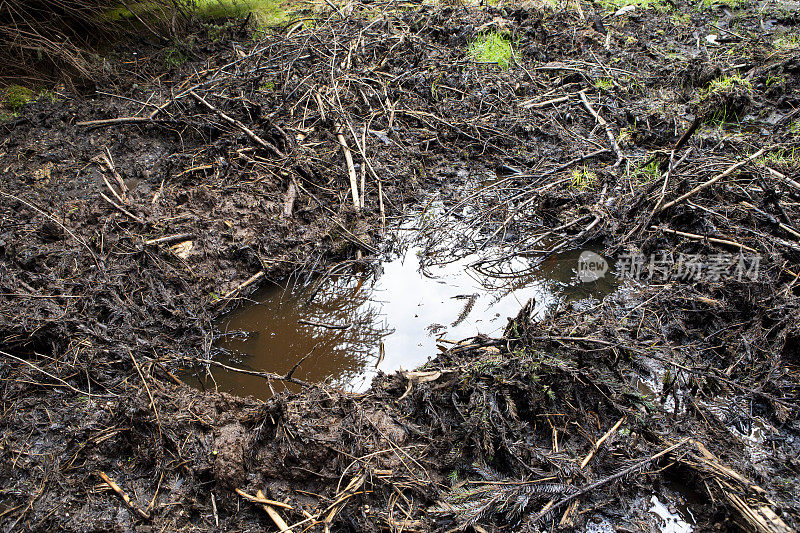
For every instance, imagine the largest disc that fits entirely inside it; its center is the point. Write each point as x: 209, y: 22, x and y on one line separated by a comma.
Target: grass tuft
x: 583, y: 179
x: 492, y: 47
x: 266, y: 13
x: 613, y: 5
x: 728, y: 83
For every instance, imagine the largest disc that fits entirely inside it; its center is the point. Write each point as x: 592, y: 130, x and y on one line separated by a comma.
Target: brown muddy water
x: 395, y: 314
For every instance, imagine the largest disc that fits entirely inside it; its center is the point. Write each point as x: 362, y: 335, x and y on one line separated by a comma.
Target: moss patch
x: 16, y: 96
x: 265, y: 12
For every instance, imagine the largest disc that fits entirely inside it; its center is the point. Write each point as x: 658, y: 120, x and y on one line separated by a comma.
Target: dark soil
x: 95, y: 320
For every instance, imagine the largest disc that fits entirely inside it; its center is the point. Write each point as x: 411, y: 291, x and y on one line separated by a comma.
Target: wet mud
x: 140, y: 223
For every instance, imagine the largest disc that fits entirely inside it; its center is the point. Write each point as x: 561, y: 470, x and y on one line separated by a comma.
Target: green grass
x: 266, y: 13
x: 727, y: 83
x: 492, y: 47
x: 613, y: 5
x: 646, y: 174
x: 583, y: 179
x: 781, y: 158
x: 728, y: 3
x: 787, y: 42
x: 604, y: 84
x: 681, y: 19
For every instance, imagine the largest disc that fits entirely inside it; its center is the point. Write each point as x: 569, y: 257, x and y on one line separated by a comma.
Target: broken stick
x: 609, y: 132
x: 283, y: 527
x: 712, y: 181
x: 269, y: 146
x: 351, y: 169
x: 121, y: 493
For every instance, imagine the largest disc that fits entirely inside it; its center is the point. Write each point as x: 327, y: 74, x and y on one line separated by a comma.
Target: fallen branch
x: 696, y: 237
x: 56, y: 221
x: 351, y: 169
x: 264, y: 375
x: 121, y: 493
x: 712, y: 181
x: 170, y: 239
x: 600, y: 443
x: 51, y: 376
x: 249, y: 281
x: 269, y: 146
x: 622, y: 473
x: 609, y: 132
x: 321, y: 325
x: 554, y: 101
x: 760, y: 515
x: 113, y: 121
x: 121, y: 209
x: 289, y: 199
x: 784, y: 178
x: 259, y: 498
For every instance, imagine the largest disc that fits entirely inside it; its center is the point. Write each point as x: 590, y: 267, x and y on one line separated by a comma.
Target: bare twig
x: 122, y: 494
x: 265, y: 144
x: 351, y: 169
x: 609, y: 132
x: 712, y: 181
x: 696, y: 237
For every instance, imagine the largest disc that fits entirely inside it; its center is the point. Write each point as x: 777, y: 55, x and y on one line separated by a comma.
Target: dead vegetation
x: 130, y: 221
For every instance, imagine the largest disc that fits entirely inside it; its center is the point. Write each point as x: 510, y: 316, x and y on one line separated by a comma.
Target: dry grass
x: 48, y: 40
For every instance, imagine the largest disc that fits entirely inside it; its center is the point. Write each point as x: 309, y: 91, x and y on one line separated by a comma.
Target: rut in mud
x: 132, y: 218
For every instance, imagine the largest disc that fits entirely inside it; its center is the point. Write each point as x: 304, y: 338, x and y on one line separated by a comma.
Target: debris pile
x: 130, y: 219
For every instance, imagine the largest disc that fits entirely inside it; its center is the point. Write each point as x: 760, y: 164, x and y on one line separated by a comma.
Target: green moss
x: 178, y: 53
x: 266, y: 13
x: 492, y: 47
x: 681, y: 19
x: 17, y: 96
x: 794, y: 127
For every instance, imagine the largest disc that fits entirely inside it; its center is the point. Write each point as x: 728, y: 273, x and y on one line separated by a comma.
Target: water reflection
x: 447, y: 276
x: 388, y: 317
x: 335, y: 327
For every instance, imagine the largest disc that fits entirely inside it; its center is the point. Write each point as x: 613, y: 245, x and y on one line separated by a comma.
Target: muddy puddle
x: 425, y: 294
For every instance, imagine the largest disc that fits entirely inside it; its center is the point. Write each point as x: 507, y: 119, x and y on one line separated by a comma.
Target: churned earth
x: 133, y: 217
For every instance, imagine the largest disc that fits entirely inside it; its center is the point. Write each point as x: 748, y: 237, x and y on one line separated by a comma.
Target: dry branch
x: 122, y: 494
x: 609, y: 132
x: 265, y: 144
x: 712, y: 181
x: 351, y: 169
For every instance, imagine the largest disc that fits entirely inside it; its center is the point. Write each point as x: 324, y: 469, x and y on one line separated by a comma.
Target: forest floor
x: 667, y: 136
